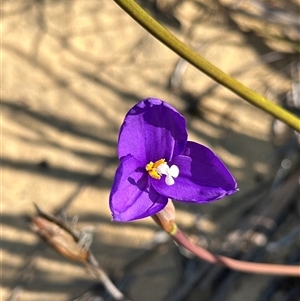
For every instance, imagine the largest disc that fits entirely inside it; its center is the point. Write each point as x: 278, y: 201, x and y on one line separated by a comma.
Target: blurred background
x: 70, y: 72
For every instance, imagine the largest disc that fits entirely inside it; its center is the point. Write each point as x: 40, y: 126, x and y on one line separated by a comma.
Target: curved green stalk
x: 166, y: 37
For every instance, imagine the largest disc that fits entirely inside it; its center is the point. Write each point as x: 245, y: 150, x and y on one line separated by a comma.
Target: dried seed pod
x: 59, y: 236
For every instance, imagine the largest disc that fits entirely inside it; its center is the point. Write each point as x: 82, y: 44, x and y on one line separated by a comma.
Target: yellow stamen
x: 151, y: 168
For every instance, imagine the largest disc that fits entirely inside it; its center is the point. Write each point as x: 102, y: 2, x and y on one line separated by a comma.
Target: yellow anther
x: 151, y: 168
x: 158, y: 162
x: 154, y: 174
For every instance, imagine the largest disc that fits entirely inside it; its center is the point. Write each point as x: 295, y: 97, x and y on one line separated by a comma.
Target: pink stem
x: 237, y: 265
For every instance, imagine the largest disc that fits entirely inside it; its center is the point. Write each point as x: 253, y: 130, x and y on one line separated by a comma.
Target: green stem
x: 167, y: 38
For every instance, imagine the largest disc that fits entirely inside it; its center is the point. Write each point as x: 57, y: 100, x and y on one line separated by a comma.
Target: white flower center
x: 170, y: 172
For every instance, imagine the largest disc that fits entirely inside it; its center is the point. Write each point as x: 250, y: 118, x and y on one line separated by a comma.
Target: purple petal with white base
x: 203, y: 177
x: 157, y: 162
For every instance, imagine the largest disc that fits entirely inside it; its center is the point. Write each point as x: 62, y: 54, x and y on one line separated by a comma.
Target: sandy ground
x: 70, y: 71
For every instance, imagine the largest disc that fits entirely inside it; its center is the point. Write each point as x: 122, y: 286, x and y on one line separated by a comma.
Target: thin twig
x: 104, y: 279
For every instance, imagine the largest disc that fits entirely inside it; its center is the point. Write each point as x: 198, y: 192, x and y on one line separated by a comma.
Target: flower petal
x: 131, y: 196
x: 152, y: 130
x: 207, y: 168
x: 202, y: 177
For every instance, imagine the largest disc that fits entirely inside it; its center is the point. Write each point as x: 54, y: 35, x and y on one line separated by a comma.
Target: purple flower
x: 157, y: 162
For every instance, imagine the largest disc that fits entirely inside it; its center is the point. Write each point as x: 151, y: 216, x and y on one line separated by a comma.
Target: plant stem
x: 105, y: 280
x: 167, y: 38
x: 237, y: 265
